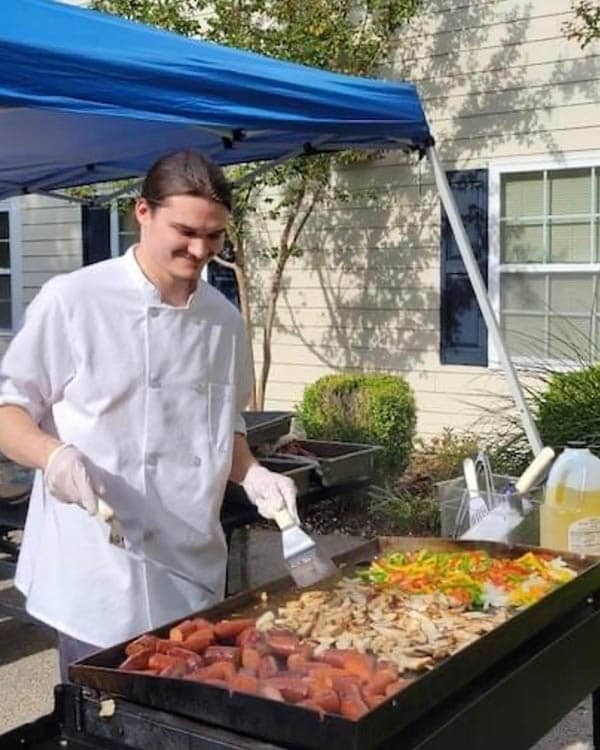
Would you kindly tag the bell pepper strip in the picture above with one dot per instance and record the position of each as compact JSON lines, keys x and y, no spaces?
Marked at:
{"x":468,"y":576}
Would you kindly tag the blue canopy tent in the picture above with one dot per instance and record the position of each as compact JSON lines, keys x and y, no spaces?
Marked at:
{"x":87,"y":97}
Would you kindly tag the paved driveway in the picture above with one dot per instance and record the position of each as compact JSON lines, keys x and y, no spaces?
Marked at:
{"x":28,"y":663}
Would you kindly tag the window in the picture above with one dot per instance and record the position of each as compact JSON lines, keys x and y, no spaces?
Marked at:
{"x":124,"y":230}
{"x":545,"y":252}
{"x":6,"y":317}
{"x":127,"y":226}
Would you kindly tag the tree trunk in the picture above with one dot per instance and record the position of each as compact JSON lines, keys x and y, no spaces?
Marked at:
{"x":242,"y":283}
{"x":268,"y":321}
{"x":286,"y":247}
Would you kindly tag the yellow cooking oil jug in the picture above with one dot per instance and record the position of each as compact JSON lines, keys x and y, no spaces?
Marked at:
{"x":570,"y":514}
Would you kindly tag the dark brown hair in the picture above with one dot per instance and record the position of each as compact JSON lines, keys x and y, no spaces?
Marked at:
{"x":186,"y":173}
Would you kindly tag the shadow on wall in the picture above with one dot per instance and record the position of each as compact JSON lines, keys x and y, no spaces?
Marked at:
{"x":365,"y":294}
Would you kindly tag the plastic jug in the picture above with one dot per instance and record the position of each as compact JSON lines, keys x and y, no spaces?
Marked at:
{"x":570,"y":515}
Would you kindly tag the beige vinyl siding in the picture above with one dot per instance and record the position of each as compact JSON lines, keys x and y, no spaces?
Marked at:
{"x":498,"y":80}
{"x":51,"y":240}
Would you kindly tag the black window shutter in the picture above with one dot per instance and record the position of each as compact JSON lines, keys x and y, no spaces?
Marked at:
{"x":223,"y":279}
{"x":463,"y":331}
{"x":95,"y":230}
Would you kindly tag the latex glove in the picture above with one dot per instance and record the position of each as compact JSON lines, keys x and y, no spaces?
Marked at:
{"x":270,"y":491}
{"x":68,"y":476}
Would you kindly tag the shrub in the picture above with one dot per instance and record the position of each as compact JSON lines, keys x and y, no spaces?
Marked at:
{"x":441,"y":457}
{"x":569,"y":407}
{"x":375,"y":408}
{"x":403,"y":512}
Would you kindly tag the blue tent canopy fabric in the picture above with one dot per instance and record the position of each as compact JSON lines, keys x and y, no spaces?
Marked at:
{"x":88,"y":97}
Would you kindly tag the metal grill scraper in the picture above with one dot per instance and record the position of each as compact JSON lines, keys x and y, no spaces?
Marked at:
{"x":304,"y":561}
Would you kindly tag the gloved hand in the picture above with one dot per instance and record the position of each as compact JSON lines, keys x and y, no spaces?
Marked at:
{"x":68,"y":476}
{"x":270,"y":491}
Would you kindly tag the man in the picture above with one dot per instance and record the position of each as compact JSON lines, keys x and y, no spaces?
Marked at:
{"x":127,"y":382}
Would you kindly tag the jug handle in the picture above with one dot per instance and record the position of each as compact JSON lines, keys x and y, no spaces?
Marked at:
{"x":562,"y":474}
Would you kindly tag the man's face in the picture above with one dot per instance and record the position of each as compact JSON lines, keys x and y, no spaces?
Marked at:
{"x":182,"y":235}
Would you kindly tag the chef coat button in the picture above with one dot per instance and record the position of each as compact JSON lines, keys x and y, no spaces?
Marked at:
{"x":151,"y":459}
{"x":154,"y":312}
{"x":154,"y":383}
{"x":197,"y":461}
{"x":148,"y":535}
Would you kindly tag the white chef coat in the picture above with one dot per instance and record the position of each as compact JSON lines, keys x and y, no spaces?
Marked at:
{"x":152,"y":394}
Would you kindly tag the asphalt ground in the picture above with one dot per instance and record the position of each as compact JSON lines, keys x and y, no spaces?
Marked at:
{"x":29,"y":664}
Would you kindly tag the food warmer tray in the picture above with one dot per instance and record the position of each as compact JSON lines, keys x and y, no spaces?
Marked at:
{"x":266,"y":426}
{"x":337,"y":462}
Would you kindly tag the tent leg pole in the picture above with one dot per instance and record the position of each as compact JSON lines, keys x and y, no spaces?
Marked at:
{"x":464,"y":246}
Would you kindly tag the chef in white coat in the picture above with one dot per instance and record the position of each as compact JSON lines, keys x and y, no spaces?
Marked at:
{"x":126,"y":382}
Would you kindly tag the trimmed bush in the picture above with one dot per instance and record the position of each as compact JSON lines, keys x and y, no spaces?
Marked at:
{"x":569,"y":407}
{"x":376,"y":409}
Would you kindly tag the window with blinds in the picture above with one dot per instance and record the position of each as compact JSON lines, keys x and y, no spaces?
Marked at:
{"x":5,"y":277}
{"x":549,"y":263}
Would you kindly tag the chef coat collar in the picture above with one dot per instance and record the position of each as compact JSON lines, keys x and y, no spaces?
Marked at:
{"x":150,"y":293}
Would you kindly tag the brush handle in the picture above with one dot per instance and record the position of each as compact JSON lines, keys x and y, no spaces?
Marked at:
{"x":284,"y":519}
{"x":535,"y":469}
{"x":471,"y":478}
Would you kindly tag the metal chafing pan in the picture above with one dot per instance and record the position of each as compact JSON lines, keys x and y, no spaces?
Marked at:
{"x":336,"y":462}
{"x":296,"y":727}
{"x":266,"y":426}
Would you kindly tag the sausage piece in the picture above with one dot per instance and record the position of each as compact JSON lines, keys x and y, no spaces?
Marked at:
{"x":198,"y":641}
{"x":352,"y":705}
{"x":267,"y":667}
{"x":293,"y":689}
{"x":250,"y":658}
{"x":282,"y":642}
{"x":138,"y":660}
{"x":162,"y":661}
{"x":182,"y":631}
{"x":140,"y":644}
{"x":222,"y":653}
{"x":192,"y":659}
{"x":228,"y":630}
{"x":244,"y":683}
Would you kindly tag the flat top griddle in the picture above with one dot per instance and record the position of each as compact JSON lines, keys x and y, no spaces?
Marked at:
{"x":296,"y":727}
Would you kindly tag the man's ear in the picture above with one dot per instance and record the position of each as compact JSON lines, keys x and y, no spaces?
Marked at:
{"x":142,"y":210}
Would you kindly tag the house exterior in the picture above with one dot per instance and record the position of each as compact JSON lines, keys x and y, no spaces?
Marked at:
{"x":515,"y":109}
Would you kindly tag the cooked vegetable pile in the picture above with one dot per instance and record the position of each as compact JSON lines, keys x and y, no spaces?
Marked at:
{"x":474,"y":578}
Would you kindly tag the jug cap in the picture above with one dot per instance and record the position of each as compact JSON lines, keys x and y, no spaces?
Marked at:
{"x":576,"y":444}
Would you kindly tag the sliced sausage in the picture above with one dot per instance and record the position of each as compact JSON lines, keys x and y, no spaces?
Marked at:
{"x":198,"y":641}
{"x":177,"y":671}
{"x":183,"y":630}
{"x":138,"y":660}
{"x":192,"y":659}
{"x":228,"y":630}
{"x":268,"y":691}
{"x":381,"y":679}
{"x":244,"y":683}
{"x":222,"y":653}
{"x":250,"y":658}
{"x":140,"y":644}
{"x":267,"y":667}
{"x":352,"y":704}
{"x":396,"y":686}
{"x":282,"y":642}
{"x":293,"y":689}
{"x":328,"y":700}
{"x":162,"y":661}
{"x":219,"y":670}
